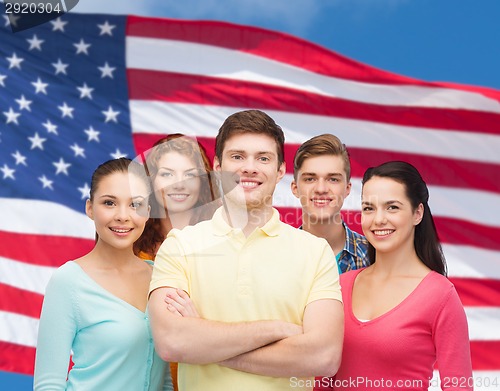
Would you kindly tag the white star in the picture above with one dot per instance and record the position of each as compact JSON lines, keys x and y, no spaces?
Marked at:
{"x":79,"y":151}
{"x":20,"y":159}
{"x":66,"y":110}
{"x":61,"y":166}
{"x":12,"y":19}
{"x":7,"y":172}
{"x":24,"y":103}
{"x":35,"y":43}
{"x":85,"y":91}
{"x":82,"y":47}
{"x":111,"y":115}
{"x":85,"y":190}
{"x":92,"y":134}
{"x":2,"y":78}
{"x":37,"y":141}
{"x":40,"y":86}
{"x":106,"y":28}
{"x":46,"y":182}
{"x":106,"y":70}
{"x":51,"y":128}
{"x":58,"y":24}
{"x":11,"y":116}
{"x":60,"y":66}
{"x":117,"y":154}
{"x":14,"y":61}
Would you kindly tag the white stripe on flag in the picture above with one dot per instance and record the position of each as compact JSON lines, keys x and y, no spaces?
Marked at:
{"x":44,"y":218}
{"x":184,"y":57}
{"x":25,"y":276}
{"x":146,"y":116}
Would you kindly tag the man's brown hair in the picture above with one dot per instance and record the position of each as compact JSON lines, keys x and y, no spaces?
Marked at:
{"x":324,"y":144}
{"x":250,"y":121}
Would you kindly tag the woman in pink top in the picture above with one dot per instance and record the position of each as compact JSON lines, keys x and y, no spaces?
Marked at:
{"x":402,"y":315}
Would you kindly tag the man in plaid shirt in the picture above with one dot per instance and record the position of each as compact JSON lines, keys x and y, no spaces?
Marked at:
{"x":322,"y":180}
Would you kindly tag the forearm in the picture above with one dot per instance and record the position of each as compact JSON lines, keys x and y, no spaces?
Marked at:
{"x":315,"y":352}
{"x":294,"y":356}
{"x":201,"y":341}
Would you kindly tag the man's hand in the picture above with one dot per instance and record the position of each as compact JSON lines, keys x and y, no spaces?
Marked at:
{"x":180,"y":304}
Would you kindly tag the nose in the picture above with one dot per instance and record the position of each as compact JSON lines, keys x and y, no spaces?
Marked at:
{"x":249,"y":166}
{"x":122,"y":213}
{"x":179,"y":183}
{"x":321,"y":186}
{"x":380,"y":217}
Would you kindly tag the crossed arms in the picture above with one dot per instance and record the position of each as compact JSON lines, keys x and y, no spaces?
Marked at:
{"x":267,"y":347}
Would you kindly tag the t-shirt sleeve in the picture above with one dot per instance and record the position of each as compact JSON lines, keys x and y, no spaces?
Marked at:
{"x":451,"y":338}
{"x":57,"y":330}
{"x":170,"y":266}
{"x":326,"y":281}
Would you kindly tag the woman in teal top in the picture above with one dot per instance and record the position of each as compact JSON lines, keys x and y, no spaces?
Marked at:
{"x":95,"y":307}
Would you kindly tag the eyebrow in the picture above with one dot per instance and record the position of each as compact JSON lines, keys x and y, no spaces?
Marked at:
{"x":390,"y":202}
{"x":315,"y":174}
{"x":171,"y":169}
{"x":243,"y":152}
{"x":114,"y":197}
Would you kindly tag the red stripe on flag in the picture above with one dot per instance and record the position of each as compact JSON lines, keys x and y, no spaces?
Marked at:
{"x":278,"y":46}
{"x":205,"y":90}
{"x":20,"y":301}
{"x":43,"y":250}
{"x":478,"y":292}
{"x":435,"y":170}
{"x":485,"y":355}
{"x":17,"y":358}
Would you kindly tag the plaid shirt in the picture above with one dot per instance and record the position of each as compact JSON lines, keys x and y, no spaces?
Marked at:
{"x":355,"y":253}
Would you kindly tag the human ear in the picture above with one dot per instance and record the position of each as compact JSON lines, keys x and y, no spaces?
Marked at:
{"x":281,"y":171}
{"x":217,"y":164}
{"x":419,"y":214}
{"x":88,"y":209}
{"x":294,"y":188}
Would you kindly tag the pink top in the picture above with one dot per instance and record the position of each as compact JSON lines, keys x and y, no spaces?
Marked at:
{"x":398,"y":349}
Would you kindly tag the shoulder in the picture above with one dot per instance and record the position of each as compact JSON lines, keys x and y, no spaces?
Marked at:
{"x":68,"y":270}
{"x":438,"y":283}
{"x":198,"y":230}
{"x":299,"y":234}
{"x":348,"y":278}
{"x":64,"y":278}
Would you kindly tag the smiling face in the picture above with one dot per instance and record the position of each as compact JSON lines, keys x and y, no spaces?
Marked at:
{"x":388,"y":219}
{"x":321,"y":186}
{"x":119,"y":209}
{"x":250,"y":170}
{"x":177,"y":183}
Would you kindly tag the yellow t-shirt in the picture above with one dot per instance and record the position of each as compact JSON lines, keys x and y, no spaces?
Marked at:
{"x":274,"y":273}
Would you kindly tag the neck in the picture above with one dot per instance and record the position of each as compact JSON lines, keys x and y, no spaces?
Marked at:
{"x":112,"y":258}
{"x":403,"y":261}
{"x":245,"y":218}
{"x":332,"y":230}
{"x":176,"y":220}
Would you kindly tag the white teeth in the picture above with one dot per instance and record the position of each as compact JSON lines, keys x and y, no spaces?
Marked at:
{"x":322,"y":201}
{"x":121,"y":231}
{"x":178,"y":196}
{"x":384,"y":232}
{"x":249,"y":184}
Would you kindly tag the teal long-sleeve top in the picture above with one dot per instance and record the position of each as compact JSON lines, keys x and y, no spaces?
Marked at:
{"x":110,"y":339}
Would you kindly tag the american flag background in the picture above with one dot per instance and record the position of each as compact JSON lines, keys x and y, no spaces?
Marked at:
{"x":82,"y":89}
